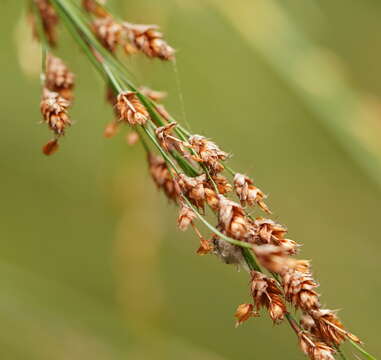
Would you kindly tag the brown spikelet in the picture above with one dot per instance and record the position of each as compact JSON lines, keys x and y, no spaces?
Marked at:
{"x":170,"y":142}
{"x":315,"y":350}
{"x":186,"y":217}
{"x":233,"y":219}
{"x":130,"y":109}
{"x":54,"y":111}
{"x":193,"y":188}
{"x":149,"y":40}
{"x":299,"y":290}
{"x":222,"y":184}
{"x":266,"y":294}
{"x":109,"y":32}
{"x":212,"y":199}
{"x":243,"y":313}
{"x":58,"y":77}
{"x":248,"y":193}
{"x":208,"y":153}
{"x":328,"y":327}
{"x":49,"y":20}
{"x":50,"y":147}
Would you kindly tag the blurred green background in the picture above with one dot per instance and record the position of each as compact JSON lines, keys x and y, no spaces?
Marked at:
{"x":92,"y":265}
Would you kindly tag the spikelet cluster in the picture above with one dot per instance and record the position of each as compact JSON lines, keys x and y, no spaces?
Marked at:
{"x":191,"y":173}
{"x":132,"y":38}
{"x":56,"y":99}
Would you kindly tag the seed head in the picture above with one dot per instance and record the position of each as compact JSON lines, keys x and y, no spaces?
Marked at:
{"x":266,"y":294}
{"x":54,"y":111}
{"x":131,"y":109}
{"x":248,"y":193}
{"x":149,"y":40}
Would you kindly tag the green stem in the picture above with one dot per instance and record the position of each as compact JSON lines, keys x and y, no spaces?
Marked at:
{"x":362,"y":351}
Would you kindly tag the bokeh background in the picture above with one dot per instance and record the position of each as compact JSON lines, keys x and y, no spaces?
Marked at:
{"x":92,"y":265}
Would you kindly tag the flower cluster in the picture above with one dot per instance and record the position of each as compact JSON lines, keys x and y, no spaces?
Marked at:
{"x":192,"y":172}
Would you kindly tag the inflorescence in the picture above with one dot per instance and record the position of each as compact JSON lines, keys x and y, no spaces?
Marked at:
{"x":191,"y":171}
